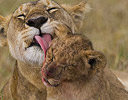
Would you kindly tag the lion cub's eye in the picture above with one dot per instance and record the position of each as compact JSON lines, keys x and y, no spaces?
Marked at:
{"x":22,"y":16}
{"x":51,"y":10}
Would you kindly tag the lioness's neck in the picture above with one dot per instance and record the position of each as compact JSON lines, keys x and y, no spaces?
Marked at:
{"x":79,"y":90}
{"x":32,"y":73}
{"x":21,"y":83}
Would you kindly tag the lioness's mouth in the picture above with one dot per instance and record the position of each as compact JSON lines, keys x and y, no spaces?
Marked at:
{"x":43,"y":41}
{"x":34,"y":43}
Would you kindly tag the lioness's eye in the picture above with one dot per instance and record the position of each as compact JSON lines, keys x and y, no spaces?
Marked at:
{"x":22,"y":16}
{"x":51,"y":10}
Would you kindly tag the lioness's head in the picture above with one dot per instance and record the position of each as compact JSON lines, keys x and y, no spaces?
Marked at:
{"x":69,"y":59}
{"x":31,"y":27}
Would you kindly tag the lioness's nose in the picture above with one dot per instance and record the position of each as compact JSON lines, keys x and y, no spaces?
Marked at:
{"x":37,"y":22}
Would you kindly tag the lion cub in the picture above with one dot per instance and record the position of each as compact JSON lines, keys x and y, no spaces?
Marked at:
{"x":74,"y":71}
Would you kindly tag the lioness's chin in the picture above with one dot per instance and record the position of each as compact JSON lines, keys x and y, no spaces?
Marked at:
{"x":34,"y":55}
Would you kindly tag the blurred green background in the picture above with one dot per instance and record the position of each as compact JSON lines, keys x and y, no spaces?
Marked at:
{"x":106,"y":25}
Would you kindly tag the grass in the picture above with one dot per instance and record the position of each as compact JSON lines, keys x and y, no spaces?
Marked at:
{"x":106,"y":25}
{"x":1,"y":97}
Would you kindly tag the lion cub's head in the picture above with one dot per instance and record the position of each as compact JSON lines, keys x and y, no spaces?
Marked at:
{"x":71,"y":58}
{"x":39,"y":19}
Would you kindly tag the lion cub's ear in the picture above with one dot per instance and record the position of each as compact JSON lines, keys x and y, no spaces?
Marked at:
{"x":77,"y":12}
{"x":96,"y":60}
{"x":4,"y":21}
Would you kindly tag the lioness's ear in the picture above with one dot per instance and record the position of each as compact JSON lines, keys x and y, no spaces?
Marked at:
{"x":77,"y":12}
{"x":96,"y":60}
{"x":4,"y":21}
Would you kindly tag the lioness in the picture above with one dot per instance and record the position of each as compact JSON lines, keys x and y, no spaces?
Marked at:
{"x":32,"y":24}
{"x":74,"y":71}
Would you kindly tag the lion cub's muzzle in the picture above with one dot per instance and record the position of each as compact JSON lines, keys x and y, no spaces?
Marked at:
{"x":51,"y":75}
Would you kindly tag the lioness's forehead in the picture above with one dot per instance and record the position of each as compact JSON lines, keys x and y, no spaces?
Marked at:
{"x":41,"y":4}
{"x":23,"y":9}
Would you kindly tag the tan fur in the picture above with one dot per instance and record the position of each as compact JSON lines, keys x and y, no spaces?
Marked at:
{"x":74,"y":71}
{"x":26,"y":83}
{"x":4,"y":21}
{"x":77,"y":12}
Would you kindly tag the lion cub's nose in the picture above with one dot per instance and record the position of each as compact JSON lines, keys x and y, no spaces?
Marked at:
{"x":51,"y":72}
{"x":37,"y":22}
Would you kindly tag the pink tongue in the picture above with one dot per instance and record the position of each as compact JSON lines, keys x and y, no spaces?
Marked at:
{"x":44,"y":42}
